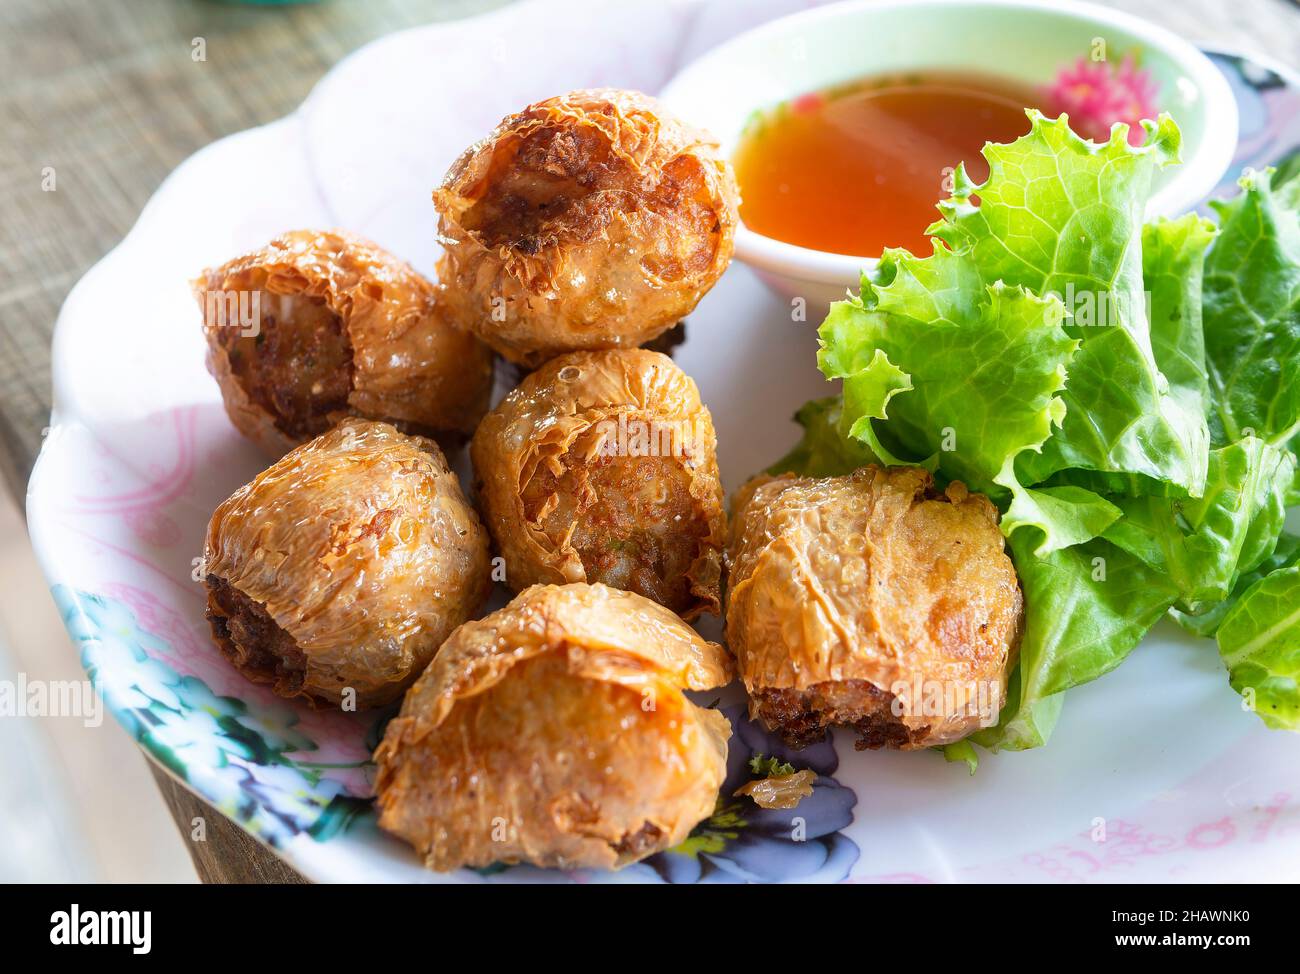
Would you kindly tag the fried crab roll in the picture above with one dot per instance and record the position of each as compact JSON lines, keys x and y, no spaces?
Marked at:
{"x":871,"y":601}
{"x":317,"y":326}
{"x":590,"y":220}
{"x":601,"y":467}
{"x":555,"y":732}
{"x":336,"y":574}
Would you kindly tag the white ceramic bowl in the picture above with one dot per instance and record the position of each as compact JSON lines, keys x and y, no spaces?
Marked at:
{"x":1021,"y":40}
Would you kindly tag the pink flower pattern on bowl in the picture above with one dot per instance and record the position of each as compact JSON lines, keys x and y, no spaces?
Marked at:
{"x":1097,"y":95}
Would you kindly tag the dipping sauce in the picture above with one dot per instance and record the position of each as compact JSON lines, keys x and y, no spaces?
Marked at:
{"x":860,"y":167}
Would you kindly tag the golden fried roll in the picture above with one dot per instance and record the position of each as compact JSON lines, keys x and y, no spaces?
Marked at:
{"x":345,"y":566}
{"x":600,"y":467}
{"x":555,"y":732}
{"x":590,"y":220}
{"x":317,"y":326}
{"x":871,"y":601}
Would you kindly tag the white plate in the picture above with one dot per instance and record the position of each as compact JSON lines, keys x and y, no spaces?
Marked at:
{"x":1155,"y":772}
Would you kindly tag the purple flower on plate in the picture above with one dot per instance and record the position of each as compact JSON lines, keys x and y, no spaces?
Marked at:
{"x":743,"y":843}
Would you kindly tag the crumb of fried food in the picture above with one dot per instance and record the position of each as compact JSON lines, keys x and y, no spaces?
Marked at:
{"x":779,"y":790}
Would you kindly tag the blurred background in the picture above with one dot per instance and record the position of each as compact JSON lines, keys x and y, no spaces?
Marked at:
{"x":109,"y":94}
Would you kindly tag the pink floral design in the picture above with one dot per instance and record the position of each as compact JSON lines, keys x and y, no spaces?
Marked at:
{"x":1271,"y":814}
{"x":143,"y":508}
{"x":189,"y":653}
{"x":1096,"y":95}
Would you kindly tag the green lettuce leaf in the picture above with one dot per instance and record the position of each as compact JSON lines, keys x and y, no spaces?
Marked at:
{"x":972,"y":378}
{"x":962,"y":752}
{"x":1252,"y":313}
{"x":1173,"y":260}
{"x":1259,"y":642}
{"x":1203,"y":544}
{"x":960,"y":359}
{"x":1086,"y":607}
{"x":1288,"y":167}
{"x":823,"y":450}
{"x":1023,"y":723}
{"x":1065,"y":515}
{"x":1173,"y":257}
{"x":1206,"y":621}
{"x":1062,"y":216}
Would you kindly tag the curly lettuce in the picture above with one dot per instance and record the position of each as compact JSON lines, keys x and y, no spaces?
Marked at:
{"x":904,"y":351}
{"x":1173,"y":260}
{"x":1259,"y":642}
{"x":960,"y":358}
{"x":1252,"y":314}
{"x":1087,"y":608}
{"x":1202,"y":545}
{"x":822,"y":451}
{"x":1205,"y":622}
{"x":1062,"y":216}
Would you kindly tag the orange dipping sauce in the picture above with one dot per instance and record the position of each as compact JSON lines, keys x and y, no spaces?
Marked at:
{"x":860,"y":167}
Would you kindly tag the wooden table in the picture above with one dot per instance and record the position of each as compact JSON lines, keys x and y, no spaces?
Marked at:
{"x":108,"y":94}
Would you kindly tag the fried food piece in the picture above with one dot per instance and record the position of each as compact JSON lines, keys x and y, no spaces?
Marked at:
{"x":779,"y":790}
{"x":871,"y":601}
{"x":555,"y":732}
{"x":590,"y":220}
{"x":600,"y":467}
{"x":317,"y":326}
{"x":345,"y":565}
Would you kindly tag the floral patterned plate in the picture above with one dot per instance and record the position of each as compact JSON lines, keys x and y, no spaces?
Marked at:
{"x":1155,"y":772}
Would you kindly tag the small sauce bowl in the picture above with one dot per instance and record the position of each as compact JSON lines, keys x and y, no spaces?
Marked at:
{"x":1020,"y":40}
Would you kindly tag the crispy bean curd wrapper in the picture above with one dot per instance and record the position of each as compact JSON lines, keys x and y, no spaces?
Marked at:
{"x":344,"y":566}
{"x":317,"y":326}
{"x":871,"y":601}
{"x":555,"y":731}
{"x":601,"y":467}
{"x":591,"y":220}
